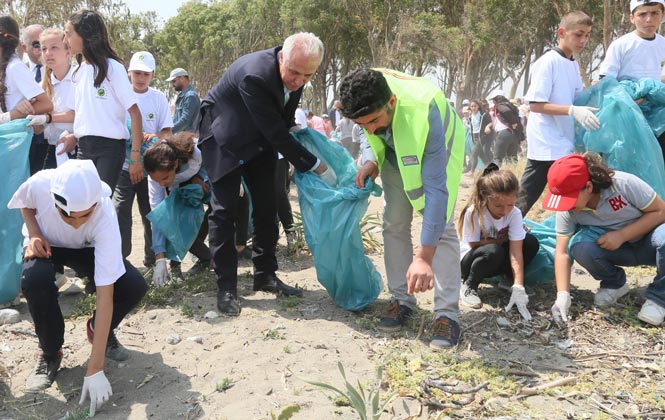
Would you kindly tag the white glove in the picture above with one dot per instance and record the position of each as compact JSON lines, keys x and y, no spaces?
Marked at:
{"x":5,"y":117}
{"x":160,"y":274}
{"x":585,"y":116}
{"x":99,"y":389}
{"x":520,"y":299}
{"x":36,"y":120}
{"x":295,"y":128}
{"x":561,"y":307}
{"x":329,"y":177}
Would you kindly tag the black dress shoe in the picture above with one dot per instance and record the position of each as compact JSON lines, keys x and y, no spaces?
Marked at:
{"x":228,"y":304}
{"x":272,"y":284}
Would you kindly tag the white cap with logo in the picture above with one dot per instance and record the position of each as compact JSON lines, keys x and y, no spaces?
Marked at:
{"x":76,"y":186}
{"x":142,"y":61}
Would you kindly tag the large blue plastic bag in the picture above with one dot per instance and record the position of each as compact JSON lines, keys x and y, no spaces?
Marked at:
{"x":15,"y":138}
{"x":625,"y":140}
{"x":541,"y":268}
{"x":652,"y":93}
{"x":331,"y":218}
{"x":179,"y":218}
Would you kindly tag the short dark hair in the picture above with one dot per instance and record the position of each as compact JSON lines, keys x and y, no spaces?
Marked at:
{"x":362,"y":92}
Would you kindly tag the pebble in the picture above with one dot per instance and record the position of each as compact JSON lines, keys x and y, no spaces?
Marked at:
{"x":122,"y":365}
{"x":9,"y":316}
{"x":211,"y":315}
{"x":503,"y":322}
{"x":173,"y":339}
{"x":196,"y":339}
{"x":152,"y":316}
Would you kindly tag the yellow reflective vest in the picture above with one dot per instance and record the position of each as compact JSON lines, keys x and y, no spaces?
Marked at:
{"x":410,"y":126}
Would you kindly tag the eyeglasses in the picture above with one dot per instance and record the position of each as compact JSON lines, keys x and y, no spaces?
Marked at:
{"x":36,"y":44}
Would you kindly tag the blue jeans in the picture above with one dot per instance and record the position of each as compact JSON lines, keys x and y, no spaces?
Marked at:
{"x":604,"y":265}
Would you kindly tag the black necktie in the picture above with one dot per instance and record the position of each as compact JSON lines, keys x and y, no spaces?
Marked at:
{"x":38,"y":73}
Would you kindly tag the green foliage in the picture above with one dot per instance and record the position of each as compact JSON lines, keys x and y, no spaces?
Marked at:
{"x":273,"y":334}
{"x":224,"y":384}
{"x":367,"y":403}
{"x":286,"y":413}
{"x":84,"y":307}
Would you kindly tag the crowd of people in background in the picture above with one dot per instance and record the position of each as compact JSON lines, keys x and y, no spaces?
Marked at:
{"x":103,"y":138}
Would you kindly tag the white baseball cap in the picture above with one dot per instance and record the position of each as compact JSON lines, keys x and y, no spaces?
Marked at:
{"x":76,"y":186}
{"x":142,"y":61}
{"x":634,"y":4}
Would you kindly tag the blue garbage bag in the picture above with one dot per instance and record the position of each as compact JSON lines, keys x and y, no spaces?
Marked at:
{"x":331,"y":218}
{"x":541,"y":268}
{"x":653,"y":104}
{"x":15,"y":138}
{"x":625,"y":140}
{"x":179,"y":218}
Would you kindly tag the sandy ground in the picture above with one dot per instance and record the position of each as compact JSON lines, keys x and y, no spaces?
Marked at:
{"x":262,"y":357}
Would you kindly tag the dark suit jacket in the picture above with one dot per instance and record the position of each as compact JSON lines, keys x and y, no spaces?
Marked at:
{"x":244,"y":115}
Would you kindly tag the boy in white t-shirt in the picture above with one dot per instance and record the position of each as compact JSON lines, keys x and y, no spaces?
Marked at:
{"x":157,"y":122}
{"x":70,"y":220}
{"x":639,"y":54}
{"x":551,"y":130}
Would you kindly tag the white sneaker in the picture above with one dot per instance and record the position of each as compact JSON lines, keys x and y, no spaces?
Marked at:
{"x":470,"y":297}
{"x":652,"y":313}
{"x":608,"y":297}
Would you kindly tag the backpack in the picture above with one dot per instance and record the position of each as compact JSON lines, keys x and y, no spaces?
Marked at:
{"x":510,"y":116}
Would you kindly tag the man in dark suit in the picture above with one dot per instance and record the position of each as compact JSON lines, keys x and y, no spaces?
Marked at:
{"x":245,"y":121}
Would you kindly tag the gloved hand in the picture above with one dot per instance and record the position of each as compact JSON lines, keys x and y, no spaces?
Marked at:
{"x":160,"y":274}
{"x":329,"y":177}
{"x":5,"y":117}
{"x":585,"y":116}
{"x":561,"y":307}
{"x":36,"y":120}
{"x":99,"y":389}
{"x":520,"y":299}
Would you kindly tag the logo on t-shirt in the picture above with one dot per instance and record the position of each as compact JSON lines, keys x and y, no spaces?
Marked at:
{"x":151,"y":116}
{"x":101,"y":93}
{"x":617,"y":203}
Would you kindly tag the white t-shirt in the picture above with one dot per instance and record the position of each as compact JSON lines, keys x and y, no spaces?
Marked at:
{"x":555,"y":79}
{"x":509,"y":225}
{"x":632,"y":57}
{"x":155,"y":113}
{"x":100,"y":232}
{"x":20,"y":83}
{"x":101,"y":111}
{"x":63,"y":100}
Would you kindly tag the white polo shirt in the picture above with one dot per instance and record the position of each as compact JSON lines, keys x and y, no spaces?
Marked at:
{"x":100,"y":232}
{"x":100,"y":111}
{"x":20,"y":83}
{"x":63,"y":101}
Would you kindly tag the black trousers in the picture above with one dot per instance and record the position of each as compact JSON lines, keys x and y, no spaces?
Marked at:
{"x":38,"y":286}
{"x":282,"y":187}
{"x":259,"y":176}
{"x":492,"y":259}
{"x":480,"y":150}
{"x":41,"y":155}
{"x":534,"y":180}
{"x":506,"y":147}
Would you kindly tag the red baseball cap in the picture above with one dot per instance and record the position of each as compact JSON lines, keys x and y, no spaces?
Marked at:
{"x":566,"y":178}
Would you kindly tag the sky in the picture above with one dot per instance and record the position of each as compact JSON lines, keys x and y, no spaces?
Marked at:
{"x":164,"y":8}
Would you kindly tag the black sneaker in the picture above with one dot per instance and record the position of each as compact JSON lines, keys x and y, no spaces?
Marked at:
{"x":445,"y":333}
{"x":228,"y":303}
{"x":394,"y":317}
{"x":114,"y":350}
{"x":44,"y":373}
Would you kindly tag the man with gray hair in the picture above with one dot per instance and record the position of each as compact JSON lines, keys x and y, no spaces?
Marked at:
{"x":245,"y":121}
{"x":31,"y":46}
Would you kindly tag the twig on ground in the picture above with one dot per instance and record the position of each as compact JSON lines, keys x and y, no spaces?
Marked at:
{"x":421,"y":329}
{"x":537,"y":389}
{"x":517,"y":372}
{"x":474,"y":324}
{"x":606,"y":409}
{"x":446,"y":388}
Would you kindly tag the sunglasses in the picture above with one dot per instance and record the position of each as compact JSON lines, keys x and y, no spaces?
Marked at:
{"x":36,"y":44}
